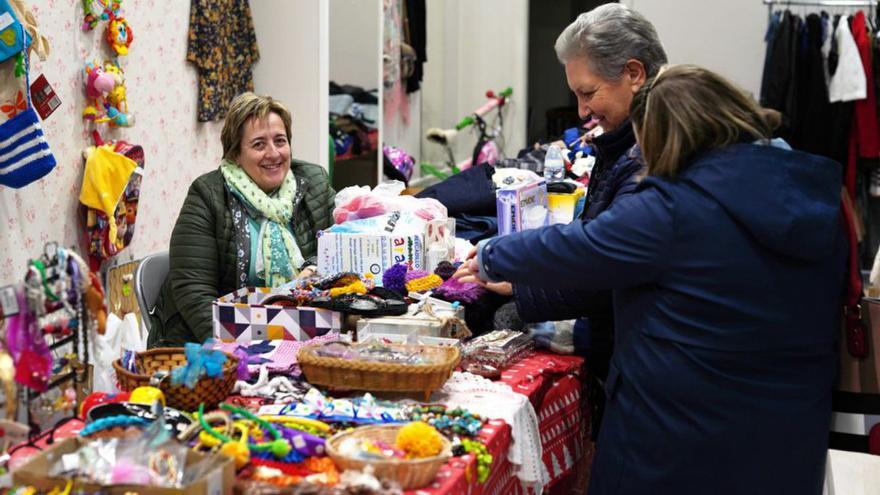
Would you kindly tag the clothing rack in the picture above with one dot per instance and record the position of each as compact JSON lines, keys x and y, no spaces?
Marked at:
{"x":819,"y":3}
{"x":823,"y":3}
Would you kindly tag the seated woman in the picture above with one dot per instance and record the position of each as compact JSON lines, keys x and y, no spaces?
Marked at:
{"x":727,"y":266}
{"x":251,"y":222}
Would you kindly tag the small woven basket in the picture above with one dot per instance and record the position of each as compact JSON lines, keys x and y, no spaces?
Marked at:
{"x":410,"y":473}
{"x":210,"y":391}
{"x":374,"y":376}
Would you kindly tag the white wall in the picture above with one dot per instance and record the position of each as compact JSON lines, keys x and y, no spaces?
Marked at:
{"x":354,"y":42}
{"x":292,"y":35}
{"x":726,"y":36}
{"x":472,"y":47}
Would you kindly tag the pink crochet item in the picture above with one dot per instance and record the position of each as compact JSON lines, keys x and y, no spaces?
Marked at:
{"x":464,"y":292}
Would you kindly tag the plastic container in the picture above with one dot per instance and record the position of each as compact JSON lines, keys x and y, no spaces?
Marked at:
{"x":554,"y":165}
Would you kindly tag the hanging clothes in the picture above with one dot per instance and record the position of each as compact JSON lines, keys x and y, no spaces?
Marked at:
{"x":866,"y":128}
{"x":848,"y":82}
{"x":223,"y":47}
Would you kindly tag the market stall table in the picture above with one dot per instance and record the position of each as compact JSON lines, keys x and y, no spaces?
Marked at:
{"x":552,"y":384}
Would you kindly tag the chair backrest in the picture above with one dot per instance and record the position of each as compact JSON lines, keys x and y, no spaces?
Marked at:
{"x":148,"y":281}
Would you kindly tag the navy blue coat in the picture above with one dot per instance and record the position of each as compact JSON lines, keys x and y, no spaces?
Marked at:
{"x":727,"y":295}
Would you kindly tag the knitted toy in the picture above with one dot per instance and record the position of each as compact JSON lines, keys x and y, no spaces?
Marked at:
{"x":24,"y":153}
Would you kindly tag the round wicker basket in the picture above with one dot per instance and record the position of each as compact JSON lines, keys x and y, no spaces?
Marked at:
{"x":373,"y":376}
{"x":410,"y":473}
{"x":210,"y":391}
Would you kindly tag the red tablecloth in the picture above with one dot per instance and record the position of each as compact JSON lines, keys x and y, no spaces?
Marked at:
{"x":553,"y":385}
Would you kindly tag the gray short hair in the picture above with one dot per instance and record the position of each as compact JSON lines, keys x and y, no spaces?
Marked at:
{"x":607,"y":37}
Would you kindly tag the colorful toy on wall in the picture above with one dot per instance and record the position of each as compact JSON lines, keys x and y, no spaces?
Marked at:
{"x":106,"y":92}
{"x":118,"y":33}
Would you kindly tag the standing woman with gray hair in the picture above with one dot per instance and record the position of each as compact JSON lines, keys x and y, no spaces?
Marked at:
{"x":608,"y":53}
{"x":727,"y":268}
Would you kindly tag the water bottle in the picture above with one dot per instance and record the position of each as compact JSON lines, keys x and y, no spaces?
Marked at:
{"x":554,"y":166}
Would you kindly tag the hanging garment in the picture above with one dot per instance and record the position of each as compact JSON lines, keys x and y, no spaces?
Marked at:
{"x":848,"y":82}
{"x":110,"y":194}
{"x":866,"y":128}
{"x":778,"y":86}
{"x":223,"y":47}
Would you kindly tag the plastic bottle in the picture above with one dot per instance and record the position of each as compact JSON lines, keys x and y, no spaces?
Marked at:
{"x":554,"y":166}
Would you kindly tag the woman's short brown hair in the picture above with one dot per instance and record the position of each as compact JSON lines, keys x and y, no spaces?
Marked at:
{"x":243,"y":108}
{"x":686,"y":110}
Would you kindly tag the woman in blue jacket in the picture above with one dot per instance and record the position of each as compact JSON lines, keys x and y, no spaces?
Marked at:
{"x":727,"y":267}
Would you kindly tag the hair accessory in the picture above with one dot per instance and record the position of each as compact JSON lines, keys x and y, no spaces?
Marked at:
{"x":112,"y":422}
{"x":279,"y":446}
{"x":201,"y":360}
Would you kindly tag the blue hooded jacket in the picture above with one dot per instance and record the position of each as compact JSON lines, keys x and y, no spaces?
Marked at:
{"x":727,"y":286}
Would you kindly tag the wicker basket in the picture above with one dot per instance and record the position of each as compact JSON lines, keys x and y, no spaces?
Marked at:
{"x":410,"y":473}
{"x":372,"y":376}
{"x":210,"y":391}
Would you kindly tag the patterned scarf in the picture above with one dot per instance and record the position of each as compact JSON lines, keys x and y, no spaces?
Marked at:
{"x":281,"y":256}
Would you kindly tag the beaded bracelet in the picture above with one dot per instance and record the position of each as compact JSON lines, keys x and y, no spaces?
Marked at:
{"x":112,"y":422}
{"x":483,"y":457}
{"x":279,"y":447}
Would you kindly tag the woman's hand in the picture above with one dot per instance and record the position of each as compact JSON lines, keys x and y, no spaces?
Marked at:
{"x":469,"y":271}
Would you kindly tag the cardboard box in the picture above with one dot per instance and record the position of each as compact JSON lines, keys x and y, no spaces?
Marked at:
{"x":35,"y":473}
{"x":521,"y":207}
{"x":368,"y":253}
{"x":240,"y":317}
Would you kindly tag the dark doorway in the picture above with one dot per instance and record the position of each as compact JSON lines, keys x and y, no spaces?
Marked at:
{"x":552,"y":106}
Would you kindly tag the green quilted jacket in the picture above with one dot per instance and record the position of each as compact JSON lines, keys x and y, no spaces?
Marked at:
{"x":210,"y":251}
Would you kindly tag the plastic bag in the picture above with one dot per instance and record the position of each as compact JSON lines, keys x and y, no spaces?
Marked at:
{"x":121,"y":335}
{"x":356,"y":202}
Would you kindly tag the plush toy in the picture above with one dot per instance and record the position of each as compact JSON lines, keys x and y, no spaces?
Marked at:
{"x":119,"y":35}
{"x":94,"y":298}
{"x":105,"y":88}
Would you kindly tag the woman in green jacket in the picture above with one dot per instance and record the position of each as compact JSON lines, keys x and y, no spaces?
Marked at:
{"x":251,"y":222}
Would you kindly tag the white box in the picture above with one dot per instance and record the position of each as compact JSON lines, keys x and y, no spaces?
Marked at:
{"x":368,"y":253}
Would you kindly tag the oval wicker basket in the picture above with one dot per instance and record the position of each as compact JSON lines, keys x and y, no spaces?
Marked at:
{"x":410,"y":473}
{"x":374,"y":376}
{"x":210,"y":391}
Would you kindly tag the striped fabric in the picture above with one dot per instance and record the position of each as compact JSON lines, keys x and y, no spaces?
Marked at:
{"x":24,"y":153}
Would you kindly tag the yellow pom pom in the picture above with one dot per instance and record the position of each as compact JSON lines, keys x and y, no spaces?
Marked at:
{"x":419,"y":439}
{"x":423,"y":284}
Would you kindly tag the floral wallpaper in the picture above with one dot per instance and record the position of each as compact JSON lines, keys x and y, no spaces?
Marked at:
{"x":162,"y":92}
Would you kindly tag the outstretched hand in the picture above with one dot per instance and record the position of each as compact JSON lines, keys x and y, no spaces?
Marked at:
{"x":469,"y":271}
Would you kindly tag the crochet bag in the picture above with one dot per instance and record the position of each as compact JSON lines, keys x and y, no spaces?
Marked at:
{"x":110,"y":226}
{"x":24,"y":153}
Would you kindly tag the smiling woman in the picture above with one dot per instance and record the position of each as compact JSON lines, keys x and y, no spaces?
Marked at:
{"x":252,"y":222}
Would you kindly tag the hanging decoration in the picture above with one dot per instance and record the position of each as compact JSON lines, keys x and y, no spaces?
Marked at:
{"x":24,"y":153}
{"x":106,"y":93}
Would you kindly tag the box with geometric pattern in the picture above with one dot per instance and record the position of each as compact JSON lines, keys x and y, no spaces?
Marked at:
{"x":240,"y":317}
